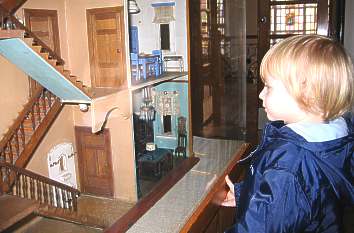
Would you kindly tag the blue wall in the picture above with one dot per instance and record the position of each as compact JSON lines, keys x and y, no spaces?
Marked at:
{"x":170,"y":141}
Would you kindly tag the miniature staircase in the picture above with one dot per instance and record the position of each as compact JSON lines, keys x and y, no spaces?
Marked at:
{"x":31,"y":55}
{"x":33,"y":60}
{"x":16,"y":209}
{"x":27,"y":192}
{"x":22,"y":138}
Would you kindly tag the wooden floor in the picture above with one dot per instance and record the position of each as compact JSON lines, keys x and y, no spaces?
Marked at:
{"x":97,"y":211}
{"x":13,"y":209}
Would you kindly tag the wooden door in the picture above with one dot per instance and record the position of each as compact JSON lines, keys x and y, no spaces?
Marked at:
{"x":44,"y":24}
{"x":105,"y":28}
{"x":95,"y":162}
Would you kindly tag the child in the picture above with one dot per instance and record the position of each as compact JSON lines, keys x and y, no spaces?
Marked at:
{"x":302,"y":174}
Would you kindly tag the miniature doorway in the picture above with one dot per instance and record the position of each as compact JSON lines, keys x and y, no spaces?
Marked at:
{"x":44,"y":24}
{"x":105,"y":28}
{"x":95,"y":161}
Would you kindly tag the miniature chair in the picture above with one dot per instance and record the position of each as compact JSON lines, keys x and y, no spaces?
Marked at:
{"x":181,"y":146}
{"x":181,"y":138}
{"x":148,"y":66}
{"x":158,"y":65}
{"x":135,"y":67}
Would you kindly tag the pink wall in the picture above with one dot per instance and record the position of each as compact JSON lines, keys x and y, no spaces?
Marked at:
{"x":59,"y":6}
{"x":77,"y":34}
{"x":14,"y":91}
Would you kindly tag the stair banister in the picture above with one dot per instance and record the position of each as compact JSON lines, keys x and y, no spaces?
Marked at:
{"x":32,"y":185}
{"x":14,"y":127}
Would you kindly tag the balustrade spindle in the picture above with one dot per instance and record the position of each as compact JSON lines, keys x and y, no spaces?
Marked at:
{"x":39,"y":191}
{"x":63,"y":198}
{"x":25,"y":186}
{"x":10,"y":155}
{"x":49,"y":99}
{"x":39,"y":112}
{"x":45,"y":193}
{"x":42,"y":97}
{"x":2,"y":155}
{"x":57,"y":198}
{"x":51,"y":195}
{"x":17,"y":145}
{"x":18,"y":184}
{"x":33,"y":119}
{"x":23,"y":136}
{"x":31,"y":184}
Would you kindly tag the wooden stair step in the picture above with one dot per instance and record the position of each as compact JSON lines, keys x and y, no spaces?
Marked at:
{"x":44,"y":55}
{"x":53,"y":62}
{"x":28,"y":41}
{"x":16,"y":209}
{"x":6,"y":34}
{"x":37,"y":48}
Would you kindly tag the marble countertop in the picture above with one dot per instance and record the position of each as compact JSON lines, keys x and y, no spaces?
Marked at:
{"x":172,"y":211}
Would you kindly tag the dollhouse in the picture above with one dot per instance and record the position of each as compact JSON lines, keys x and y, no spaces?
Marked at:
{"x":160,"y":83}
{"x":108,"y":103}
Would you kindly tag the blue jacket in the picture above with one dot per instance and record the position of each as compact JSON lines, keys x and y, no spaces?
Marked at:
{"x":296,"y":186}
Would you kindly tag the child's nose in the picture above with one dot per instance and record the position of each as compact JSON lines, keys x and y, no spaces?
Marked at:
{"x":261,"y":95}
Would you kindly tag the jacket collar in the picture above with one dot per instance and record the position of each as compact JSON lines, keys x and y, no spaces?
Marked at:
{"x":276,"y":130}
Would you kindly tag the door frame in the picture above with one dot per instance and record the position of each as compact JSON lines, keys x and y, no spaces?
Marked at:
{"x":89,"y":12}
{"x":81,"y":156}
{"x":45,"y":13}
{"x":33,"y":85}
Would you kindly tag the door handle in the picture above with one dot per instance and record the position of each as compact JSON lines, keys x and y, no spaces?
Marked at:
{"x":118,"y":50}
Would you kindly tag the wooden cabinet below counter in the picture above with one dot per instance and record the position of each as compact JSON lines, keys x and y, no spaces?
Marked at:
{"x":210,"y":217}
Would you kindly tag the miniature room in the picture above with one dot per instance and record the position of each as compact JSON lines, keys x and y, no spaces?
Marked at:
{"x":158,"y":63}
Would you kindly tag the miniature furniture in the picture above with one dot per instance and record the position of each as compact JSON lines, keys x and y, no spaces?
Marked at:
{"x":135,"y":67}
{"x":173,"y":58}
{"x":143,"y":66}
{"x":181,"y":145}
{"x":148,"y":62}
{"x":154,"y":163}
{"x":181,"y":138}
{"x":159,"y":66}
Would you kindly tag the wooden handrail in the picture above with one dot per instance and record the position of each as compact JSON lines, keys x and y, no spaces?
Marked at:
{"x":23,"y":136}
{"x":13,"y":5}
{"x":19,"y":25}
{"x":27,"y":107}
{"x":38,"y":177}
{"x":27,"y":184}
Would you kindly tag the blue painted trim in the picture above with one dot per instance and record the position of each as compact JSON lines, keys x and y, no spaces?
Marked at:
{"x":31,"y":63}
{"x":163,"y":4}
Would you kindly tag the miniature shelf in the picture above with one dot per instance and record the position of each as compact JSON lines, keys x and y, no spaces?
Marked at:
{"x":163,"y":78}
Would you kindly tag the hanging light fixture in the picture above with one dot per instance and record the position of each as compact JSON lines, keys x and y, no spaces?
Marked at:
{"x":147,"y":111}
{"x":133,"y":7}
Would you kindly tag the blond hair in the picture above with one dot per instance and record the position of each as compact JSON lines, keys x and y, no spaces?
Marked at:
{"x":316,"y":71}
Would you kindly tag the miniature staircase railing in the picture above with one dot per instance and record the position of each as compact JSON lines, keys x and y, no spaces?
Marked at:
{"x":12,"y":5}
{"x":26,"y":184}
{"x":22,"y":138}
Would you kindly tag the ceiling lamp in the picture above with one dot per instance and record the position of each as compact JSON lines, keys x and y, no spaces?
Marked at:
{"x":133,"y":7}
